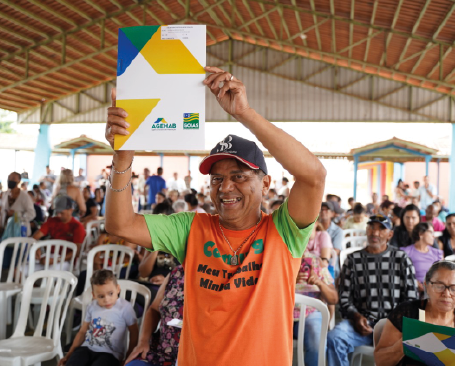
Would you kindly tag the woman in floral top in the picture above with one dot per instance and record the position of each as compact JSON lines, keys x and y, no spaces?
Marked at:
{"x":314,"y":281}
{"x":161,"y":349}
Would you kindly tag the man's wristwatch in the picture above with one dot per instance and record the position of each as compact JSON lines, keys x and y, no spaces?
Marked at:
{"x":325,"y":259}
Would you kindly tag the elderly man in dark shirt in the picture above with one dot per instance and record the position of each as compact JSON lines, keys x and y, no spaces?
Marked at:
{"x":372,"y":282}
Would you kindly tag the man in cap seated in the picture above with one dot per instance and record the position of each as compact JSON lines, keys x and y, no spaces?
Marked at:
{"x":61,"y":226}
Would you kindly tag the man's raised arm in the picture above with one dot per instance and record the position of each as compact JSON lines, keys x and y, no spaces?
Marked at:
{"x":306,"y":194}
{"x":120,"y":217}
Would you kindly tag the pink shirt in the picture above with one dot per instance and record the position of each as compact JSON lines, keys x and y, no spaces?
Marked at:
{"x":321,"y":240}
{"x":437,"y":224}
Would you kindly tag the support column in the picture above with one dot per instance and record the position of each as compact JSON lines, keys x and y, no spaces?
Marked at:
{"x":72,"y":152}
{"x":452,"y":173}
{"x":356,"y":165}
{"x":42,"y":154}
{"x":427,"y":164}
{"x":161,"y":160}
{"x":437,"y":187}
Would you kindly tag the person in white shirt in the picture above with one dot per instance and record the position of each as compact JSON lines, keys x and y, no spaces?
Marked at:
{"x":176,"y":184}
{"x":284,"y":190}
{"x":427,"y":193}
{"x":15,"y":200}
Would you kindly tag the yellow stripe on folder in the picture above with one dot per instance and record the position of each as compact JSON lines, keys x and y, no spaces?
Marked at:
{"x":138,"y":110}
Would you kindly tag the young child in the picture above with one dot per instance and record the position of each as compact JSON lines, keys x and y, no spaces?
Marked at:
{"x":101,"y":339}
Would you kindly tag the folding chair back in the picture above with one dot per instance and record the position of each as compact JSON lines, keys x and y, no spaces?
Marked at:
{"x":58,"y":248}
{"x":305,"y":301}
{"x":58,"y":292}
{"x":114,"y":252}
{"x":354,"y":241}
{"x":20,"y":251}
{"x":354,"y":232}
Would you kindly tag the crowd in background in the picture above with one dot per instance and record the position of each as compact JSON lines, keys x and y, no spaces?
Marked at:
{"x":412,"y":229}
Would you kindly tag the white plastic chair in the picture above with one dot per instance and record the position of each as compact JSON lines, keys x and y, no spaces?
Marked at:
{"x":354,"y":232}
{"x":344,"y":254}
{"x":360,"y":351}
{"x":356,"y":241}
{"x":118,"y":253}
{"x":93,"y":231}
{"x":14,"y":279}
{"x":21,"y":350}
{"x":437,"y":234}
{"x":450,"y":258}
{"x":59,"y":248}
{"x":81,"y":259}
{"x":305,"y":301}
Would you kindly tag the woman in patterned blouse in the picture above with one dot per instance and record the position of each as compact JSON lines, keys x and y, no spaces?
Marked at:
{"x":161,"y":349}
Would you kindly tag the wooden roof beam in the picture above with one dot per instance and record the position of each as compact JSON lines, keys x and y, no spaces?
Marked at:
{"x":214,"y":16}
{"x":299,"y":24}
{"x":396,"y":65}
{"x":60,"y":35}
{"x":50,"y":10}
{"x":353,"y":21}
{"x":168,"y":10}
{"x":272,"y":28}
{"x":306,"y":30}
{"x":435,"y":35}
{"x":440,"y":62}
{"x":430,"y":103}
{"x":351,"y":30}
{"x":315,"y":21}
{"x":414,"y":29}
{"x":283,"y":25}
{"x":304,"y":81}
{"x":256,"y":18}
{"x":205,"y":10}
{"x":348,"y":48}
{"x":389,"y":35}
{"x":252,"y":15}
{"x":56,"y":68}
{"x":370,"y":30}
{"x":318,"y":55}
{"x":332,"y":12}
{"x":49,"y":39}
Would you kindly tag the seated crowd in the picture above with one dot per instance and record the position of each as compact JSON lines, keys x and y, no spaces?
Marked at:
{"x":400,"y":261}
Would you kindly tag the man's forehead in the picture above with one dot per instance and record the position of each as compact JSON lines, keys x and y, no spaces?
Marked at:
{"x":229,"y":166}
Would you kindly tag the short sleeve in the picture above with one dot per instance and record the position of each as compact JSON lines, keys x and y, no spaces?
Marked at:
{"x":296,"y":239}
{"x":440,"y":254}
{"x":129,"y":315}
{"x":409,"y":309}
{"x":337,"y":238}
{"x":45,"y":228}
{"x":170,"y":233}
{"x":79,"y":234}
{"x":326,"y":242}
{"x":88,"y":314}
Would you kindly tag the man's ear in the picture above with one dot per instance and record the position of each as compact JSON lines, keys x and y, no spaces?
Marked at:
{"x":390,"y":234}
{"x":266,"y":181}
{"x":118,"y":290}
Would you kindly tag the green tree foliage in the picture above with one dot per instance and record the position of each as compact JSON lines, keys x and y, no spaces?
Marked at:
{"x":7,"y":118}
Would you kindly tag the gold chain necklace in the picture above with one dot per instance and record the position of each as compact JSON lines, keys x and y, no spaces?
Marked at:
{"x":234,"y":260}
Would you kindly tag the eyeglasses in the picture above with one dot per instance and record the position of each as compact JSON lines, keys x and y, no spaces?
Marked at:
{"x":440,"y":287}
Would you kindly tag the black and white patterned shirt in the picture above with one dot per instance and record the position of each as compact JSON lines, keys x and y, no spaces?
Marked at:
{"x":373,"y":284}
